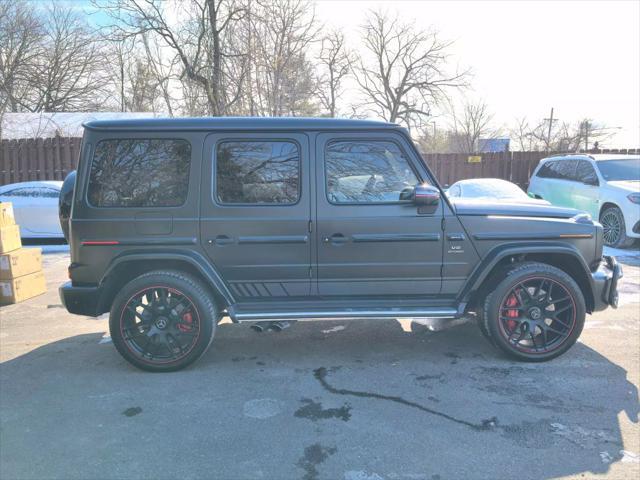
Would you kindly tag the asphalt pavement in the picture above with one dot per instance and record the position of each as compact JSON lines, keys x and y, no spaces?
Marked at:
{"x":352,"y":400}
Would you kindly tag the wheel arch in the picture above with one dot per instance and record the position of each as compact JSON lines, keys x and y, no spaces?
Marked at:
{"x":129,"y":266}
{"x":605,"y":205}
{"x":493,"y":269}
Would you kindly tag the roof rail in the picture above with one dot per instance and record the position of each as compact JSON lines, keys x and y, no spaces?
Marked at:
{"x":572,"y":155}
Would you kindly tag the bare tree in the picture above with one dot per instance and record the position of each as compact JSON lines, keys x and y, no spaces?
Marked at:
{"x":562,"y":137}
{"x":283,"y":80}
{"x":334,"y":61}
{"x":406,"y":70}
{"x":472,"y":126}
{"x":69,"y":72}
{"x":196,"y":40}
{"x":521,"y":135}
{"x":20,"y":32}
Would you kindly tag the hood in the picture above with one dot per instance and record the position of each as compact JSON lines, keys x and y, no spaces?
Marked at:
{"x":464,"y":206}
{"x":627,"y":185}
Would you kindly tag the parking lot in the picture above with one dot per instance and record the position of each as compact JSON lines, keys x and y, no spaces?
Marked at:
{"x":350,"y":400}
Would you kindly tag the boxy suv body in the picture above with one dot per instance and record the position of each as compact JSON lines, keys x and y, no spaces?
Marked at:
{"x":174,"y":223}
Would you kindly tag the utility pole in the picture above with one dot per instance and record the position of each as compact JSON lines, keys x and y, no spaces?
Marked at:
{"x":587,"y":127}
{"x":549,"y":131}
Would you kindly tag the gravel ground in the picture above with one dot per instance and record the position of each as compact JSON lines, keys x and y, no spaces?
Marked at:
{"x":350,"y":400}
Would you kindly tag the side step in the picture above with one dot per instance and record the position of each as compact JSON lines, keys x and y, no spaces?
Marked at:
{"x":242,"y":314}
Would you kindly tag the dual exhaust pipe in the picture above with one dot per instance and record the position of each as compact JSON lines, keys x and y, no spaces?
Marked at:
{"x":270,"y":326}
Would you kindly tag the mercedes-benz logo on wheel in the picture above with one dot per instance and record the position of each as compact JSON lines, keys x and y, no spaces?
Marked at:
{"x":161,"y":323}
{"x":535,"y":313}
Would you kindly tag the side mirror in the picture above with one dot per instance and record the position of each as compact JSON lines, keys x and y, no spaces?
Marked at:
{"x":425,"y":195}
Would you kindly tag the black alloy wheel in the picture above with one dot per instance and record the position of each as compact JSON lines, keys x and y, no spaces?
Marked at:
{"x":160,"y":324}
{"x":536,"y":312}
{"x":537,"y":315}
{"x":162,"y":321}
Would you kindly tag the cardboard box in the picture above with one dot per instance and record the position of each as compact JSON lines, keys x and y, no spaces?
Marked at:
{"x":10,"y":238}
{"x":20,"y":262}
{"x":21,"y":288}
{"x":6,"y":214}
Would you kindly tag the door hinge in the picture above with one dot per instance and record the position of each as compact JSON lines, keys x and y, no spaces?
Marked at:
{"x":443,"y":223}
{"x":310,"y":226}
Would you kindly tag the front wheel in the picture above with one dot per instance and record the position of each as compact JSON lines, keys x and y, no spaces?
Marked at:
{"x":536,"y":312}
{"x":162,"y":321}
{"x":614,"y":228}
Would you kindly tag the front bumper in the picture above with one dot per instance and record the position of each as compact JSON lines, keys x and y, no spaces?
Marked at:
{"x":605,"y":283}
{"x":80,"y":300}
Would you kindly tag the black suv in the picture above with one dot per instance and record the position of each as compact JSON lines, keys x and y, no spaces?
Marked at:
{"x":174,"y":223}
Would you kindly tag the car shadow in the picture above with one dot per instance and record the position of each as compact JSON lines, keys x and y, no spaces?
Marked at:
{"x":563,"y":417}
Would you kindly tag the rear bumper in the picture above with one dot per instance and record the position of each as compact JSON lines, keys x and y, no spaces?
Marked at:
{"x":80,"y":300}
{"x":605,"y":283}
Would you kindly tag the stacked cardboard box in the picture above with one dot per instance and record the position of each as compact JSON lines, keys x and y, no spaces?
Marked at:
{"x":21,"y":274}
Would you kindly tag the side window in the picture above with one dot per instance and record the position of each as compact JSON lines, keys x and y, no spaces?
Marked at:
{"x":566,"y":170}
{"x":18,"y":192}
{"x":586,"y":174}
{"x":33,"y":192}
{"x":140,"y":173}
{"x":546,"y":171}
{"x":258,"y":172}
{"x":366,"y":172}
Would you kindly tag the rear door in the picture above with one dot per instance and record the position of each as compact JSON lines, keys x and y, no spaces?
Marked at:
{"x":255,"y":213}
{"x":557,"y":182}
{"x":370,"y":242}
{"x":586,"y":195}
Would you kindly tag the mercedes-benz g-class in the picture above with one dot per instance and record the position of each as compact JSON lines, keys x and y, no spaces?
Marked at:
{"x":174,"y":223}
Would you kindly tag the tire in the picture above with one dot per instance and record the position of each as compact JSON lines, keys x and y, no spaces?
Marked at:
{"x":163,"y":321}
{"x":544,"y":312}
{"x":615,"y":233}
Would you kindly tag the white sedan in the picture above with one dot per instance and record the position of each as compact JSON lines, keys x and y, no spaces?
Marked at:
{"x":35,"y":205}
{"x":491,"y":189}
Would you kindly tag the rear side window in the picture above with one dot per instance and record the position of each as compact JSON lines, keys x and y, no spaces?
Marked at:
{"x":258,"y":172}
{"x":365,"y":172}
{"x":560,"y":170}
{"x":140,"y":173}
{"x":546,"y":170}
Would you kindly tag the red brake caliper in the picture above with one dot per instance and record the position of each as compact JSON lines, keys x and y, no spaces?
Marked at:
{"x":512,"y":301}
{"x":186,"y":318}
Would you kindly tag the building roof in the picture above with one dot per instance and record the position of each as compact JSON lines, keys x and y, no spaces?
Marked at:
{"x":238,"y":123}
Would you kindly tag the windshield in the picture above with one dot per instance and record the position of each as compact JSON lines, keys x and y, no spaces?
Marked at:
{"x":613,"y":170}
{"x":494,"y":189}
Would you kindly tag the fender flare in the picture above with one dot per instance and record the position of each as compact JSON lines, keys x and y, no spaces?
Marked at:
{"x":498,"y":253}
{"x":193,"y":258}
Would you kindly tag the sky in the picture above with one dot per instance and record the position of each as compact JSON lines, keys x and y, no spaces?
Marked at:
{"x":580,"y":57}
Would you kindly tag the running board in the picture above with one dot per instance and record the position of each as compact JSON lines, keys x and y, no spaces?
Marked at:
{"x":239,"y":314}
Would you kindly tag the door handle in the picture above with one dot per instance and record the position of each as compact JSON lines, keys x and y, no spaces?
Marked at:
{"x":336,"y":239}
{"x":221,"y":240}
{"x":456,"y":237}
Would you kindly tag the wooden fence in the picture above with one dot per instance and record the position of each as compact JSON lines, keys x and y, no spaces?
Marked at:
{"x":52,"y":158}
{"x":37,"y":159}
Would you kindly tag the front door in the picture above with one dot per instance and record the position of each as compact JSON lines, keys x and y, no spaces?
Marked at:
{"x":255,"y":213}
{"x":370,"y":242}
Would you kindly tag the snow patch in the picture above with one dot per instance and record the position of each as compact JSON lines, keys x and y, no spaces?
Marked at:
{"x":334,"y":329}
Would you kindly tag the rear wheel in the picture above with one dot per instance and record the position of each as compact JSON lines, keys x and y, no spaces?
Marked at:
{"x":162,"y":321}
{"x":615,"y":233}
{"x":536,"y":312}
